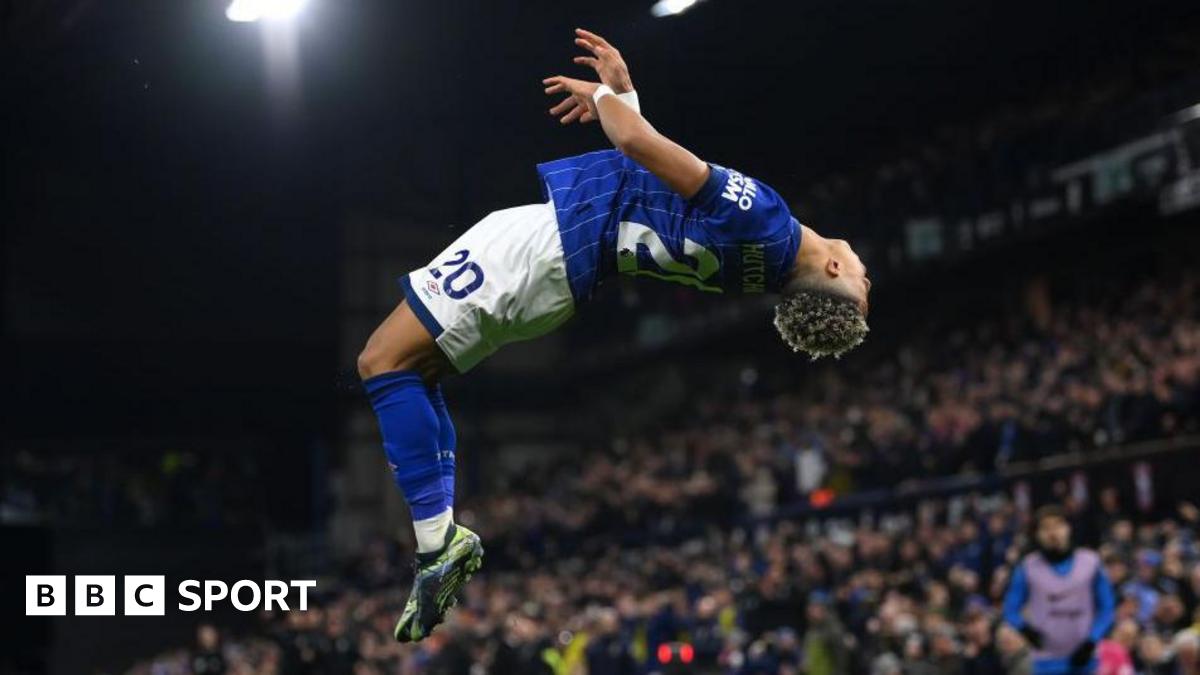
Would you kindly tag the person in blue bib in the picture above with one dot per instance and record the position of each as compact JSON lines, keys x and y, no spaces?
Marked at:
{"x":645,"y":208}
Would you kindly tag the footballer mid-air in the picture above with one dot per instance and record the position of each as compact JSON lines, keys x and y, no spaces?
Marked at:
{"x":649,"y":208}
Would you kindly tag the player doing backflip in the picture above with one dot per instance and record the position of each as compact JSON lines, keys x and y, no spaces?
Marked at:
{"x":648,"y":208}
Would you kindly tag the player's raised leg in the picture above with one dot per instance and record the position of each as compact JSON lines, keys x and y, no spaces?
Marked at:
{"x":400,"y":367}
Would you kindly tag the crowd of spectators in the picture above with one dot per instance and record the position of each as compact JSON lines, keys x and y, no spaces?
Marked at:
{"x":1066,"y":376}
{"x":673,"y":535}
{"x":670,"y":535}
{"x":914,"y":591}
{"x":1071,"y":376}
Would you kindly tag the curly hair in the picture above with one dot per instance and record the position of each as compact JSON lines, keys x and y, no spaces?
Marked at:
{"x":820,"y":323}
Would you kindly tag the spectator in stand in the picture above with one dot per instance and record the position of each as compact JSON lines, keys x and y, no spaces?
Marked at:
{"x":1186,"y":646}
{"x":980,"y":655}
{"x":1115,"y":655}
{"x":208,"y":659}
{"x":825,"y":641}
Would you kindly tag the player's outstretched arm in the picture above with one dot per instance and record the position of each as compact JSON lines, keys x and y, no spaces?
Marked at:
{"x":683,"y":171}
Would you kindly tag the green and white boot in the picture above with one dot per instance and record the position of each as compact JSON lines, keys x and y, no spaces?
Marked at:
{"x":438,"y":576}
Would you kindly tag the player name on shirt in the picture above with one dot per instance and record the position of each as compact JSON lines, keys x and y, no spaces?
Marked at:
{"x":754,"y":270}
{"x":740,"y":190}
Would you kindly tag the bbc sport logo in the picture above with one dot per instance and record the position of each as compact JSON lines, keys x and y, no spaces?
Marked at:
{"x":146,"y":595}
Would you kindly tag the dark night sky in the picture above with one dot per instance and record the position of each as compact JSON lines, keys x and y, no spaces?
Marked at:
{"x":170,"y":228}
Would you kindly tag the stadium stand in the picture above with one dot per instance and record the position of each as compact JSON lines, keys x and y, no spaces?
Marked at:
{"x":710,"y":533}
{"x":917,"y":593}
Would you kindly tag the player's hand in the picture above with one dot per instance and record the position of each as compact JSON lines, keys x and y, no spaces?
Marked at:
{"x":1083,"y":654}
{"x":605,"y":60}
{"x":578,"y":105}
{"x":1032,"y":635}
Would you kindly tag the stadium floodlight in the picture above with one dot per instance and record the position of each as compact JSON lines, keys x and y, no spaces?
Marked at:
{"x":671,"y":7}
{"x":257,"y":10}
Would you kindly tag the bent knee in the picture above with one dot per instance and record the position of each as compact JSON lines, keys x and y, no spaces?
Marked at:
{"x":401,"y":343}
{"x":373,"y":361}
{"x":366,"y":364}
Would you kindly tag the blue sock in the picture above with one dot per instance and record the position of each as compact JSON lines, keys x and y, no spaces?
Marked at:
{"x":447,"y":441}
{"x":410,"y":430}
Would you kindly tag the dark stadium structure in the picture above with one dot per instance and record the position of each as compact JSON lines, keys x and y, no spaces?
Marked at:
{"x":201,"y":228}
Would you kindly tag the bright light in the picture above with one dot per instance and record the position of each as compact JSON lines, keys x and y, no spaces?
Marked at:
{"x":671,"y":7}
{"x":256,"y":10}
{"x":686,"y":653}
{"x":664,"y":653}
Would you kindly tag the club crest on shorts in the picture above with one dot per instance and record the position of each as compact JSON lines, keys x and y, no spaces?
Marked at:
{"x":433,"y":287}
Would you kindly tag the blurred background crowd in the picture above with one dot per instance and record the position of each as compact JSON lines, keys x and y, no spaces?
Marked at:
{"x":914,"y":592}
{"x":1064,"y":375}
{"x":1061,"y":377}
{"x":706,"y":529}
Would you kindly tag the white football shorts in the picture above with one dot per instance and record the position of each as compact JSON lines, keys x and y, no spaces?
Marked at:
{"x":502,"y":281}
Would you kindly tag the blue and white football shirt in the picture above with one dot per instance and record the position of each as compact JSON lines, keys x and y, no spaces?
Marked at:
{"x":614,"y":216}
